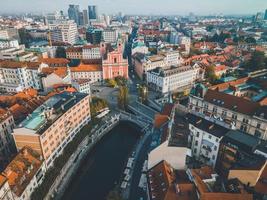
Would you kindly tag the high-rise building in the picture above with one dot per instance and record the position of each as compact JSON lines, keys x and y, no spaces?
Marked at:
{"x":64,"y":31}
{"x":265,"y":16}
{"x":94,"y":36}
{"x":50,"y":18}
{"x":259,"y":17}
{"x":92,"y":12}
{"x":81,"y":19}
{"x":73,"y":13}
{"x":85,"y":17}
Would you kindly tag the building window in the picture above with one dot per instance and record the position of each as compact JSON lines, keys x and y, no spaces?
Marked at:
{"x":258,"y":125}
{"x":197,"y":134}
{"x":224,"y":113}
{"x":243,"y":128}
{"x":215,"y":148}
{"x":213,"y":157}
{"x":258,"y":134}
{"x":196,"y":143}
{"x":234,"y":116}
{"x":245,"y":120}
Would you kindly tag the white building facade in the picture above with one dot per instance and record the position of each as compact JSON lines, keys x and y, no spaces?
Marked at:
{"x":110,"y":35}
{"x":8,"y":43}
{"x":91,"y":52}
{"x":172,"y":79}
{"x":64,"y":31}
{"x":17,"y":76}
{"x":205,"y":139}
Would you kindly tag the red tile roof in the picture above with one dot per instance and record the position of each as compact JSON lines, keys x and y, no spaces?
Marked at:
{"x":55,"y":61}
{"x":22,"y":169}
{"x":87,"y":68}
{"x":165,"y":185}
{"x":231,"y":102}
{"x":16,"y":64}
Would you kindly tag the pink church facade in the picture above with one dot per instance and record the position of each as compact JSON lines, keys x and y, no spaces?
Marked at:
{"x":114,"y":64}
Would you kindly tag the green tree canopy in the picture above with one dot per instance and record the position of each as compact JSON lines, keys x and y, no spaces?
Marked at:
{"x":210,"y":74}
{"x":97,"y":104}
{"x":143,"y":93}
{"x":123,"y":97}
{"x":256,"y":62}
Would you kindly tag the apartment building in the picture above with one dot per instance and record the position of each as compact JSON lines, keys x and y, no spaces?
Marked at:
{"x":91,"y":52}
{"x":53,"y":124}
{"x":139,"y":47}
{"x":186,"y":41}
{"x":9,"y":33}
{"x":204,"y":139}
{"x":82,"y":85}
{"x":143,"y":63}
{"x":208,"y":186}
{"x":238,"y":104}
{"x":172,"y":79}
{"x":236,"y":157}
{"x":17,"y":54}
{"x":24,"y":173}
{"x":74,"y":53}
{"x":172,"y":57}
{"x":164,"y":182}
{"x":4,"y":43}
{"x":5,"y":190}
{"x":6,"y":140}
{"x":17,"y":76}
{"x":93,"y":72}
{"x":110,"y":35}
{"x":64,"y":31}
{"x":55,"y":62}
{"x":52,"y":76}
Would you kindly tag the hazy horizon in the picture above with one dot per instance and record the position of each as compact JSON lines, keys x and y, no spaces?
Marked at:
{"x":155,"y":7}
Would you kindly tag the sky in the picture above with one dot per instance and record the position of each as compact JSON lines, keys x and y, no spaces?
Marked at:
{"x":149,"y":7}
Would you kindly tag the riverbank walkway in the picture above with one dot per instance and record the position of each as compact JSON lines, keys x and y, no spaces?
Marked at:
{"x":97,"y":133}
{"x":70,"y":168}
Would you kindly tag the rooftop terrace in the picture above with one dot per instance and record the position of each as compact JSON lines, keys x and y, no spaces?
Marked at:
{"x":42,"y":117}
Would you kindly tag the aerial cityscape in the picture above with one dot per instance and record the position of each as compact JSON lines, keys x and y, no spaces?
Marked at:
{"x":133,"y":100}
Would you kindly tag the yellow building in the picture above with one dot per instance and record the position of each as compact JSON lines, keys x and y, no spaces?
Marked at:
{"x":54,"y":124}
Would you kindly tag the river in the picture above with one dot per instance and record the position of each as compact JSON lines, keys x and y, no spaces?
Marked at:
{"x":103,"y":166}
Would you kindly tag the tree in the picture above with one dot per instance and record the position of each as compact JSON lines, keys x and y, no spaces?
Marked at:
{"x":123,"y":97}
{"x":111,"y":83}
{"x":120,"y":80}
{"x":143,"y":93}
{"x":60,"y":52}
{"x":97,"y":104}
{"x":256,"y":62}
{"x":220,"y":38}
{"x":210,"y":74}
